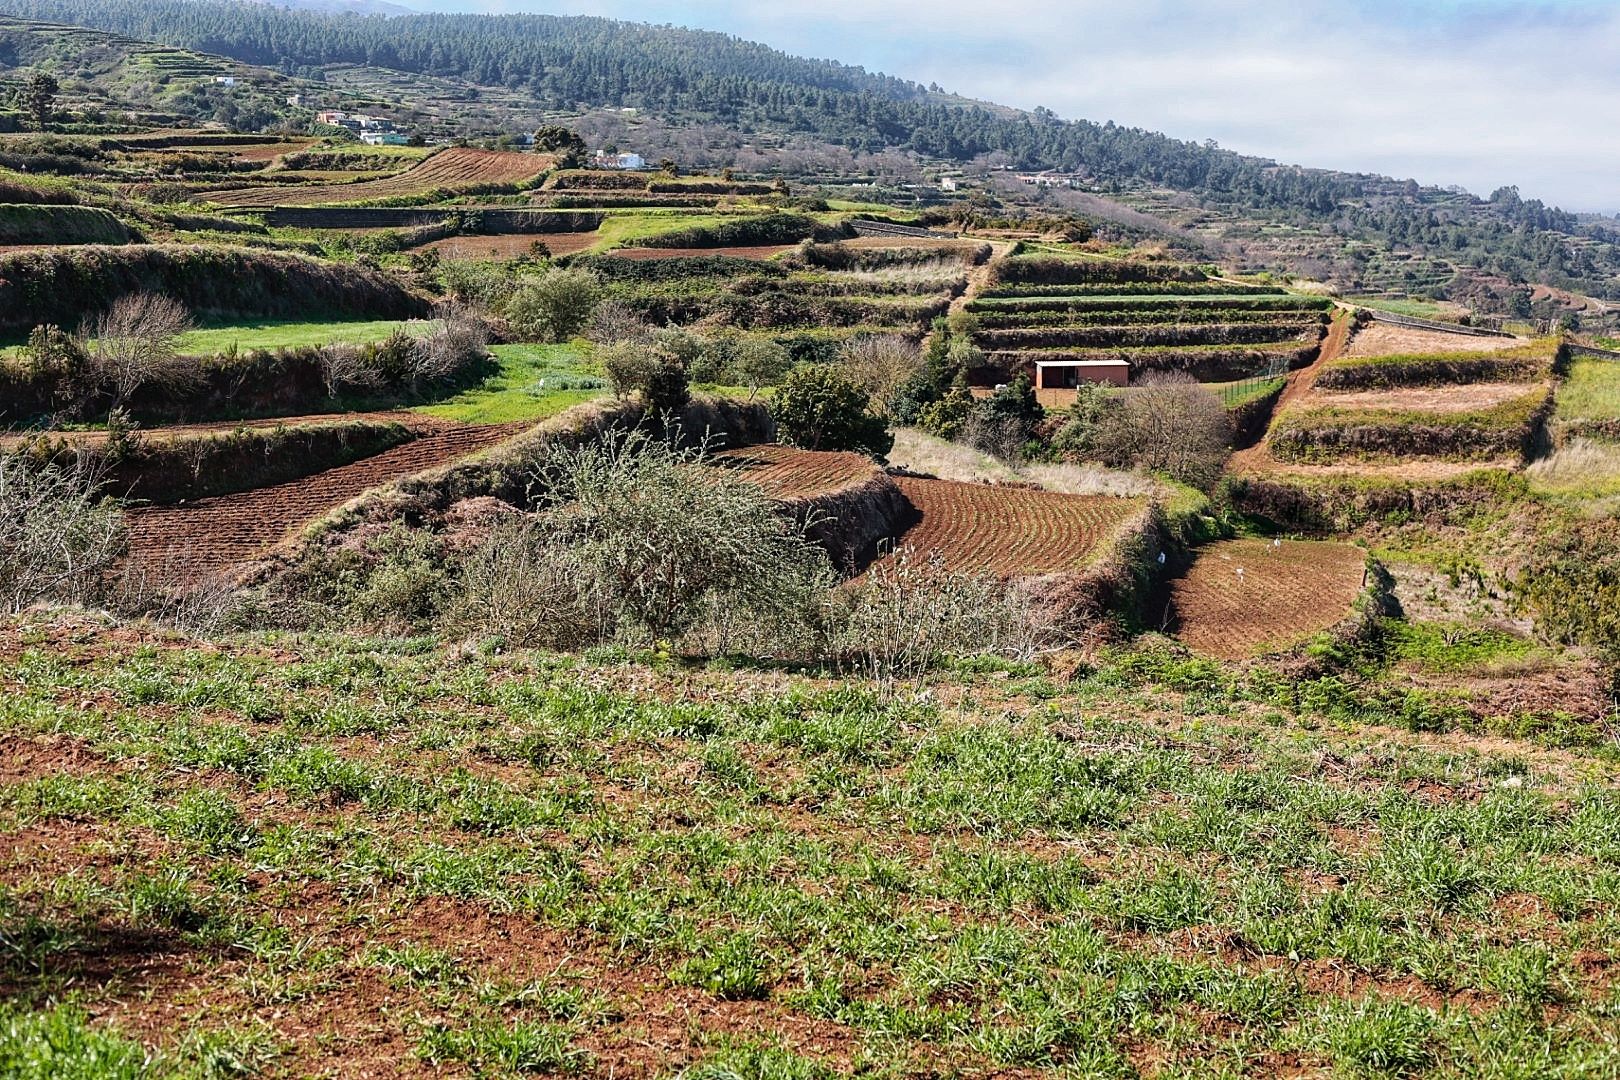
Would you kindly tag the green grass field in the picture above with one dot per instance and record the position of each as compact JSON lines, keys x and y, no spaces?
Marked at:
{"x":523,"y":387}
{"x":627,"y":229}
{"x":1591,"y":391}
{"x":312,"y":856}
{"x":210,"y":340}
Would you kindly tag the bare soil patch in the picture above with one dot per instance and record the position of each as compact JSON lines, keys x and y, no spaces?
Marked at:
{"x":1242,"y":597}
{"x":188,"y":541}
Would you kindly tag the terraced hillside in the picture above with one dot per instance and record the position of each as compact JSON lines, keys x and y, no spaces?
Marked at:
{"x":1461,"y":406}
{"x":457,"y":170}
{"x":1152,"y":317}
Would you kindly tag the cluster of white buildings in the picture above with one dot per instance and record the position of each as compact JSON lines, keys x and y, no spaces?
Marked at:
{"x":373,"y":130}
{"x":628,"y":162}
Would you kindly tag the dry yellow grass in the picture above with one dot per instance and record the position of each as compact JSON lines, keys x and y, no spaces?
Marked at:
{"x":1383,"y":339}
{"x":1430,"y":399}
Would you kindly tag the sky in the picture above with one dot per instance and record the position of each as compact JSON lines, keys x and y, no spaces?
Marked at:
{"x":1479,"y":93}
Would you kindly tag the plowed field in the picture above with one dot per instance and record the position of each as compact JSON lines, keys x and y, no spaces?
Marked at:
{"x":510,"y":245}
{"x":459,"y":168}
{"x":789,"y":474}
{"x":1009,"y":532}
{"x":1241,"y":598}
{"x":192,"y":540}
{"x":647,"y":254}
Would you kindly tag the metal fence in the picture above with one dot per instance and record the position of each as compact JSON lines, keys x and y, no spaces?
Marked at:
{"x":1236,"y":393}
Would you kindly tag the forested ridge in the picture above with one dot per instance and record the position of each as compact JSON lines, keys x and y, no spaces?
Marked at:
{"x":571,"y":62}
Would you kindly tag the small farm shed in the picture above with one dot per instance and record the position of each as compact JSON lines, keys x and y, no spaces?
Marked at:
{"x":1068,"y":374}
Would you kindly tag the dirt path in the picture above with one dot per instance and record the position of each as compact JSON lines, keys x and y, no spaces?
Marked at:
{"x":1298,"y":384}
{"x":189,"y":541}
{"x":978,"y":278}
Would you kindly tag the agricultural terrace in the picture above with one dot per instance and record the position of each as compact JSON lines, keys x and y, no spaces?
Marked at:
{"x":1242,"y":598}
{"x":1453,"y":405}
{"x":1008,"y":531}
{"x":186,"y":541}
{"x":820,"y":289}
{"x":453,"y":171}
{"x":1157,"y":317}
{"x":788,"y":474}
{"x":329,"y":858}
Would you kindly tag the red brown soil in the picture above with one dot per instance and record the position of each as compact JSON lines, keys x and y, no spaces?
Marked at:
{"x":1012,"y":532}
{"x":1242,"y":596}
{"x":459,"y":167}
{"x":189,"y":541}
{"x":510,"y":245}
{"x":788,"y":474}
{"x":765,"y":251}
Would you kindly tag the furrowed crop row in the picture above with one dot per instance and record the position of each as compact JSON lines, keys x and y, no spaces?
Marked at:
{"x":1014,"y":320}
{"x":1008,"y":532}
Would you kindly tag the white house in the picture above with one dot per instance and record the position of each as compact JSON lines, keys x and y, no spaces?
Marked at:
{"x":384,"y":138}
{"x":225,"y":80}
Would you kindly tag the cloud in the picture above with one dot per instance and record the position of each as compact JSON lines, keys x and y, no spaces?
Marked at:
{"x":1473,"y":93}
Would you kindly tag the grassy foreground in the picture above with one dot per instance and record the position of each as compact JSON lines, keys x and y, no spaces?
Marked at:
{"x":342,"y":857}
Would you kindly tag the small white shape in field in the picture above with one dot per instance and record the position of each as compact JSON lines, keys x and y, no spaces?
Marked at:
{"x":1161,"y":558}
{"x":1240,"y":573}
{"x":1276,"y":544}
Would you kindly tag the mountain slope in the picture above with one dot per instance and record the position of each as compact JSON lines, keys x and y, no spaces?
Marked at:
{"x":570,"y":64}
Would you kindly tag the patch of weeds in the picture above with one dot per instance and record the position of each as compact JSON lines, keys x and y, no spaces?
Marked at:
{"x":208,"y":820}
{"x":1373,"y":1038}
{"x":490,"y":1048}
{"x":748,"y":1061}
{"x":62,"y":1044}
{"x":732,"y":967}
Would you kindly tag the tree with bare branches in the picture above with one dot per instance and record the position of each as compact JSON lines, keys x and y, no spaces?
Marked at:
{"x":137,"y":344}
{"x":1168,"y":424}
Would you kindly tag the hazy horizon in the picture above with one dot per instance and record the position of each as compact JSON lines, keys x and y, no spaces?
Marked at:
{"x":1458,"y":92}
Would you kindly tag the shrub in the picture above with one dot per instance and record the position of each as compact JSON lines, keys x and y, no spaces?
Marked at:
{"x":655,"y":370}
{"x":642,"y":540}
{"x":819,"y":409}
{"x":55,"y":358}
{"x":1003,"y":424}
{"x":759,"y":362}
{"x":58,"y":538}
{"x":555,"y":306}
{"x":908,"y":613}
{"x":1572,"y":583}
{"x":1168,"y":424}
